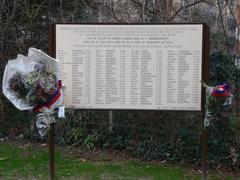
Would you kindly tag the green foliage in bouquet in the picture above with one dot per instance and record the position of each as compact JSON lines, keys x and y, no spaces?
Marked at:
{"x":16,"y":83}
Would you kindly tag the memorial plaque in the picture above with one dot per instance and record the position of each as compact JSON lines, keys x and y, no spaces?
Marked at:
{"x":136,"y":66}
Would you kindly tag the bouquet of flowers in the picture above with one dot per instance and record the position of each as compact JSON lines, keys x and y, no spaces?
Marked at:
{"x":32,"y":83}
{"x":222,"y":90}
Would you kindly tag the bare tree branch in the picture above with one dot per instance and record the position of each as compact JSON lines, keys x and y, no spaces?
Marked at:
{"x":7,"y":40}
{"x":222,"y":23}
{"x":113,"y":13}
{"x":145,"y":8}
{"x":185,"y":7}
{"x":236,"y":24}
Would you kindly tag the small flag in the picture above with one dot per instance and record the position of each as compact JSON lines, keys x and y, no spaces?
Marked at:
{"x":221,"y":90}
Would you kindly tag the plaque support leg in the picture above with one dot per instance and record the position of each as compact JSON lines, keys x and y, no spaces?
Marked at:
{"x":51,"y":152}
{"x":204,"y":153}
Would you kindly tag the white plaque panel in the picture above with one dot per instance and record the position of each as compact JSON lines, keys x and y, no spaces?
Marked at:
{"x":156,"y":67}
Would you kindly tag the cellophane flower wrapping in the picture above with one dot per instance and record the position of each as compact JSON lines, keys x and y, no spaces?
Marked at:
{"x":223,"y":90}
{"x":32,"y":83}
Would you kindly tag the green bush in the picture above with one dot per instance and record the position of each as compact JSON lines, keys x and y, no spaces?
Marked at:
{"x":221,"y":132}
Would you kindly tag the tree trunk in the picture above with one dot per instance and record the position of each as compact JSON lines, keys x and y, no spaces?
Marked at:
{"x":163,"y":9}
